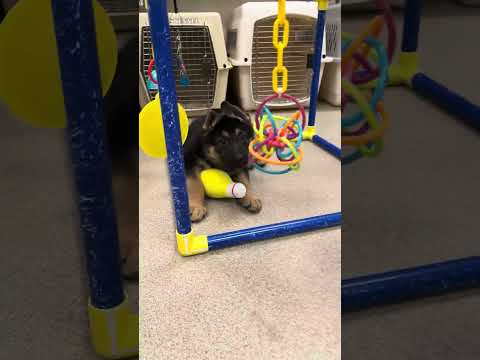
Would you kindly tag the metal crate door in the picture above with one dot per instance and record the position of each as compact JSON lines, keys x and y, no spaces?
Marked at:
{"x":199,"y":59}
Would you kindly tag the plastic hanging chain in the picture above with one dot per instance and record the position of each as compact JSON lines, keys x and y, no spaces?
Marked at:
{"x":184,"y":79}
{"x":280,"y":22}
{"x":205,"y":61}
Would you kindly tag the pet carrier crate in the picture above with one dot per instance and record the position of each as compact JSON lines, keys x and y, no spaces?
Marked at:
{"x":199,"y":61}
{"x":252,"y":53}
{"x":331,"y":88}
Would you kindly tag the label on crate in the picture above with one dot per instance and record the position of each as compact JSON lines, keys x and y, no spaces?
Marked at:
{"x":175,"y":19}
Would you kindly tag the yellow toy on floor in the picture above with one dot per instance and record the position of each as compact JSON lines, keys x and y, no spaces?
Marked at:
{"x":218,"y":185}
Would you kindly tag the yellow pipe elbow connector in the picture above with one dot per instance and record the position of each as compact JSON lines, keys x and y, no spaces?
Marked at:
{"x":309,"y":132}
{"x":114,"y":332}
{"x":322,"y":4}
{"x":191,"y":244}
{"x":403,"y":71}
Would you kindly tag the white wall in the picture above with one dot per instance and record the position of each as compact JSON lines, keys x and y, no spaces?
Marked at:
{"x":224,"y":7}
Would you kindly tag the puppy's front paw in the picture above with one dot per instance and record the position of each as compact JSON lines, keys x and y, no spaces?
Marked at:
{"x":128,"y":237}
{"x":130,"y":268}
{"x":197,"y":213}
{"x":252,"y":204}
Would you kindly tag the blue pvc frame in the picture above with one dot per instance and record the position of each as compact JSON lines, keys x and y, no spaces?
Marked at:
{"x":160,"y":33}
{"x":425,"y":86}
{"x":406,"y":284}
{"x":272,"y":231}
{"x":80,"y":75}
{"x":435,"y":279}
{"x":158,"y":16}
{"x":316,"y":64}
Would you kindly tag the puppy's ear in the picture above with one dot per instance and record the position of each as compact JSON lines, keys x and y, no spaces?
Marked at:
{"x":233,"y":111}
{"x":212,"y":118}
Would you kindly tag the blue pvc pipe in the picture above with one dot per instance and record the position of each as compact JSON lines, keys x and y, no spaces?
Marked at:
{"x":77,"y":51}
{"x":264,"y":232}
{"x":447,"y":99}
{"x":327,"y":146}
{"x":351,"y":157}
{"x":411,"y":25}
{"x":408,"y":284}
{"x":160,"y":32}
{"x":317,"y":63}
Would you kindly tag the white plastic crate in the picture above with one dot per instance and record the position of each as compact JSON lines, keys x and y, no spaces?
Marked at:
{"x":254,"y":57}
{"x":202,"y":43}
{"x":331,"y":87}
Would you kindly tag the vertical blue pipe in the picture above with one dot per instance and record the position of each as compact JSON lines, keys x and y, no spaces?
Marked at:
{"x":160,"y":32}
{"x":408,"y":284}
{"x":77,"y":51}
{"x":317,"y":62}
{"x":411,"y":25}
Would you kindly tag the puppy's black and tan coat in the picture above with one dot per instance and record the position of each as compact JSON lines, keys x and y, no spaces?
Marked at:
{"x":219,"y":140}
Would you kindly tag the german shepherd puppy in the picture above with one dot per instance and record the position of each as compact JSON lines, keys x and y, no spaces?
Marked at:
{"x":219,"y":140}
{"x":122,"y":106}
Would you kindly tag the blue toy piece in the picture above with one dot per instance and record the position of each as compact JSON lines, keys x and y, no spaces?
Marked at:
{"x":184,"y":80}
{"x":150,"y":84}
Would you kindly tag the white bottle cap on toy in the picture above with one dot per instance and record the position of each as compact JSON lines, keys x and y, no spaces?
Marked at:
{"x":236,"y":190}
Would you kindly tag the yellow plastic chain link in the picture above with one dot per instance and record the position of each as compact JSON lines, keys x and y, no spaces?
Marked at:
{"x":280,"y":69}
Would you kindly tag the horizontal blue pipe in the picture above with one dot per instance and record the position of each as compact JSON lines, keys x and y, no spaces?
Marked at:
{"x":351,"y":157}
{"x":264,"y":232}
{"x":327,"y":146}
{"x":408,"y":284}
{"x":447,"y":99}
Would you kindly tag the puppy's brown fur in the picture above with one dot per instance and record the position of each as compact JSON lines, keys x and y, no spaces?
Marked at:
{"x":121,"y":108}
{"x":219,"y":140}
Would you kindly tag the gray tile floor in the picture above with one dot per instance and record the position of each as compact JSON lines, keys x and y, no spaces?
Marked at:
{"x":277,"y":299}
{"x":44,"y":294}
{"x":428,"y":155}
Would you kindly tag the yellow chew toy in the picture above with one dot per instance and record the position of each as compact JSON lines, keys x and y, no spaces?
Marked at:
{"x":29,"y":57}
{"x":219,"y":185}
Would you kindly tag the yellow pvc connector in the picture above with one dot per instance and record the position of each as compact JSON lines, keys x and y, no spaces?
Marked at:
{"x":403,"y":71}
{"x":322,"y":4}
{"x":309,"y":132}
{"x":191,"y":244}
{"x":114,"y":332}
